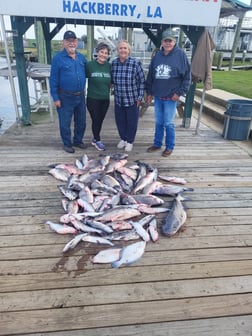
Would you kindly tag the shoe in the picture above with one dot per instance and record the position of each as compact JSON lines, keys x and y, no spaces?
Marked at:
{"x":68,"y":149}
{"x":166,"y":152}
{"x":121,"y":144}
{"x":152,"y":149}
{"x":128,"y":147}
{"x":98,"y":145}
{"x":80,"y":145}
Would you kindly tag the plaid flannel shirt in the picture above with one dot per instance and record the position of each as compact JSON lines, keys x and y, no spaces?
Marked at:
{"x":129,"y":81}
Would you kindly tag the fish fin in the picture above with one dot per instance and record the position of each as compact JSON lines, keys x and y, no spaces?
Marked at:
{"x":185,"y":198}
{"x":53,"y":165}
{"x":180,"y":197}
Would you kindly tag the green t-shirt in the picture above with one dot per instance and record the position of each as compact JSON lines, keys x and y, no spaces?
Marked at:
{"x":99,"y":80}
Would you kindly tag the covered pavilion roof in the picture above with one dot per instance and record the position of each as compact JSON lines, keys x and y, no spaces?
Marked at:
{"x":233,"y":7}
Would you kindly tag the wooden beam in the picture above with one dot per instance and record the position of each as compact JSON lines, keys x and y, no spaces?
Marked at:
{"x":21,"y":27}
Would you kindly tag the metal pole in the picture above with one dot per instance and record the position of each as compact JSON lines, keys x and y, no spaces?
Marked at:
{"x":14,"y":96}
{"x":200,"y":110}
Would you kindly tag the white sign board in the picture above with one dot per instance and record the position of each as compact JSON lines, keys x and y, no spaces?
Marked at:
{"x":179,"y":12}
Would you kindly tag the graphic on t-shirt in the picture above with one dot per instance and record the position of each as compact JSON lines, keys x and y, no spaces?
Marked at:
{"x":163,"y":71}
{"x":100,"y":74}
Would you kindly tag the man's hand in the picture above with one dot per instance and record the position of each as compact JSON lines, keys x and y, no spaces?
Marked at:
{"x":175,"y":97}
{"x":57,"y":103}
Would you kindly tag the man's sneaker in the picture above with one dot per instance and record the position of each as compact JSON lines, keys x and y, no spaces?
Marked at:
{"x":121,"y":144}
{"x":128,"y":147}
{"x":80,"y":145}
{"x":68,"y":149}
{"x":98,"y":145}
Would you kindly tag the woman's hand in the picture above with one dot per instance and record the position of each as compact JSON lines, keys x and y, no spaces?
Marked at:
{"x":148,"y":99}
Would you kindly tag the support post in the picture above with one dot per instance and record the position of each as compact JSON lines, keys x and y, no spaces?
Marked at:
{"x":90,"y":42}
{"x":12,"y":84}
{"x":189,"y":106}
{"x":236,"y":40}
{"x":21,"y":71}
{"x":40,"y":41}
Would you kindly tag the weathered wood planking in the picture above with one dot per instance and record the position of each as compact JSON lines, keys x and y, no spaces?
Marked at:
{"x":225,"y":326}
{"x":123,"y":314}
{"x":197,"y":282}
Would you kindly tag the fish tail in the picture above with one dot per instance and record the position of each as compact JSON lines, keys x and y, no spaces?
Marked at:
{"x":116,"y":264}
{"x":188,"y":189}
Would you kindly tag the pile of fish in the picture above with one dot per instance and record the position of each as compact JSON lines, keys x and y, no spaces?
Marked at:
{"x":106,"y":200}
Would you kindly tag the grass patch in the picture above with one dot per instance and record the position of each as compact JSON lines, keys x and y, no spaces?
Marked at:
{"x":238,"y":82}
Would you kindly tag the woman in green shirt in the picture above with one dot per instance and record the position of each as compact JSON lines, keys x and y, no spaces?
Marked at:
{"x":98,"y":91}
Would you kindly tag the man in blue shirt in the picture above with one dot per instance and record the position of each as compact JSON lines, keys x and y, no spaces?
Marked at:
{"x":67,"y":85}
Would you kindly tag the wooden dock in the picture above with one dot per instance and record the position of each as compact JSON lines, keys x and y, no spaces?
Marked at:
{"x":196,"y":283}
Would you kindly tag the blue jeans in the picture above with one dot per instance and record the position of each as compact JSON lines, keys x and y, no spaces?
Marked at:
{"x":126,"y":118}
{"x":165,"y":111}
{"x":72,"y":107}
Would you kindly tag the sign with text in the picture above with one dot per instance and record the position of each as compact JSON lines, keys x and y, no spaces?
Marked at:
{"x":180,"y":12}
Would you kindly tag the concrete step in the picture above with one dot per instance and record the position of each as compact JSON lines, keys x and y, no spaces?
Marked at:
{"x":215,"y":102}
{"x":210,"y":108}
{"x":212,"y":96}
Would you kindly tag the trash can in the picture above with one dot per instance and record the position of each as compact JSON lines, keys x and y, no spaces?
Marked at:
{"x":237,"y":119}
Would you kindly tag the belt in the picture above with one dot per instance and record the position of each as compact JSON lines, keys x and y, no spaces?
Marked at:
{"x":78,"y":93}
{"x":165,"y":98}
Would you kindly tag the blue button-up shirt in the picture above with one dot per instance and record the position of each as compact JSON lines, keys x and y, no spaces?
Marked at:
{"x":67,"y":73}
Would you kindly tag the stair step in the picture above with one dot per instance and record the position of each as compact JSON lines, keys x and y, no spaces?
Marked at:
{"x":215,"y":103}
{"x":212,"y":97}
{"x":213,"y":109}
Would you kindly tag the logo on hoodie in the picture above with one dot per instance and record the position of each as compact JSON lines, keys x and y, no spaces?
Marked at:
{"x":163,"y":71}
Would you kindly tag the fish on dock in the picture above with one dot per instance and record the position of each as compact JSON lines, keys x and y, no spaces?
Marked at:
{"x":61,"y":228}
{"x":175,"y":218}
{"x":97,"y":240}
{"x":73,"y":242}
{"x":130,"y":254}
{"x":120,"y":212}
{"x":60,"y":174}
{"x":169,"y":190}
{"x":173,"y":179}
{"x":105,"y":201}
{"x":106,"y":256}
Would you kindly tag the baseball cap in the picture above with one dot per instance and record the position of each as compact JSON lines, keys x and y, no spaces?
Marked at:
{"x":168,"y":35}
{"x":69,"y":35}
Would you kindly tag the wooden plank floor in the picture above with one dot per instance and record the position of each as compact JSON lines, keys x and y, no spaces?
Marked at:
{"x":198,"y":282}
